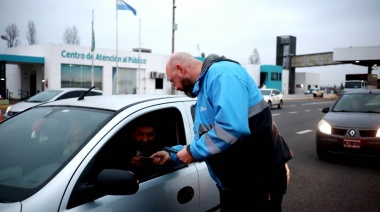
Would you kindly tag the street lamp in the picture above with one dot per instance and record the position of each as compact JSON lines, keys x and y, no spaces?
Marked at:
{"x":4,"y":37}
{"x":174,"y":28}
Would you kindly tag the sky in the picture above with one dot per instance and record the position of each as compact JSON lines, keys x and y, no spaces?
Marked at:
{"x":225,"y":27}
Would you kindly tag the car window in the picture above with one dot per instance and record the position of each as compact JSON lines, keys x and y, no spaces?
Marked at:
{"x":117,"y":152}
{"x":265,"y":92}
{"x":37,"y":144}
{"x":362,"y":102}
{"x":71,"y":94}
{"x":92,"y":93}
{"x":44,"y":96}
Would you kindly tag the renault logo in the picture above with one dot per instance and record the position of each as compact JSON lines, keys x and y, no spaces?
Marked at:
{"x":352,"y":133}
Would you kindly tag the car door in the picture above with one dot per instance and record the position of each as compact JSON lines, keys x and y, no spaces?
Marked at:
{"x":208,"y":191}
{"x":177,"y":189}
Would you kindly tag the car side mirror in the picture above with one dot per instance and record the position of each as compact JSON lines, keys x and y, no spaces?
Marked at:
{"x":117,"y":182}
{"x":326,"y":110}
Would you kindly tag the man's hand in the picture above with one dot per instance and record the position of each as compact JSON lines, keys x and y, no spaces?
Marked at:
{"x":160,"y":157}
{"x":137,"y":161}
{"x":185,"y":156}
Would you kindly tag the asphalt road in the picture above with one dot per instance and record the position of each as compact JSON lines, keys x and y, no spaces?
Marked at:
{"x":316,"y":185}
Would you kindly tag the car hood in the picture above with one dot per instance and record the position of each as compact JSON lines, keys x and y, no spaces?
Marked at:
{"x":11,"y":207}
{"x":18,"y":107}
{"x":359,"y":120}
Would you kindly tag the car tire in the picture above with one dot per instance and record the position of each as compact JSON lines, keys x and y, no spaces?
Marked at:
{"x":270,"y":104}
{"x":321,"y":95}
{"x":280,"y":105}
{"x":322,"y":154}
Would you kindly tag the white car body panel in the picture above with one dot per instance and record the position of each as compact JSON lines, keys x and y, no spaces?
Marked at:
{"x":160,"y":193}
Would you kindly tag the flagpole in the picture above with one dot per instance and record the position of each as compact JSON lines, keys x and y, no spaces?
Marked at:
{"x":120,"y":5}
{"x":138,"y":74}
{"x":93,"y":50}
{"x":117,"y":53}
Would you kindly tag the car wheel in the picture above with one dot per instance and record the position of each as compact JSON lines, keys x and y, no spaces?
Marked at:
{"x":280,"y":105}
{"x":270,"y":104}
{"x":315,"y":95}
{"x":321,"y":95}
{"x":322,"y":154}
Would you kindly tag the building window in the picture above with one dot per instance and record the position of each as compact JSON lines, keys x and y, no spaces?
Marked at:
{"x":79,"y":76}
{"x":124,"y":82}
{"x":274,"y":76}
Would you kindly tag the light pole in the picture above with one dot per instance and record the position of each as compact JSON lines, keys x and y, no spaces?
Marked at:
{"x":174,"y":28}
{"x":4,"y":37}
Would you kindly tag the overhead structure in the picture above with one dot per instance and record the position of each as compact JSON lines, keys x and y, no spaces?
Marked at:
{"x":286,"y":57}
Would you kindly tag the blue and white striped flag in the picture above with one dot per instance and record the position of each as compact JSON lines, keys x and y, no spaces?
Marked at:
{"x":121,"y":5}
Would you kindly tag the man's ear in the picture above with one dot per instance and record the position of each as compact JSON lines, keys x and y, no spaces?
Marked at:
{"x":180,"y":68}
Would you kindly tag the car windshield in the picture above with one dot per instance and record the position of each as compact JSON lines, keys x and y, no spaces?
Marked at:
{"x":265,"y":92}
{"x":44,"y":96}
{"x":353,"y":85}
{"x":358,"y":102}
{"x":36,"y":144}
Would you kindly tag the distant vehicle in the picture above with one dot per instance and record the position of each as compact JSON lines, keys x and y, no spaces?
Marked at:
{"x":48,"y":96}
{"x":37,"y":172}
{"x":273,"y":97}
{"x":360,"y":81}
{"x":315,"y":91}
{"x":351,"y":126}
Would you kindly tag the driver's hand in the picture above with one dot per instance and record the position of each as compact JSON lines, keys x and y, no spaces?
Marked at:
{"x":137,"y":161}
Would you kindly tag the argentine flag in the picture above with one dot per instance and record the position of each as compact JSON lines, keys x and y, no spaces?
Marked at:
{"x":121,"y":5}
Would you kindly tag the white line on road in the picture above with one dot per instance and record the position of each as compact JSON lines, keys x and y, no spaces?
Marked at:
{"x":315,"y":103}
{"x":275,"y":114}
{"x":293,"y":112}
{"x":305,"y":131}
{"x":307,"y":110}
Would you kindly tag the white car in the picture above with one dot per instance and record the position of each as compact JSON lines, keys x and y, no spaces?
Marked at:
{"x":273,"y":97}
{"x":315,"y":91}
{"x":48,"y":96}
{"x":38,"y":174}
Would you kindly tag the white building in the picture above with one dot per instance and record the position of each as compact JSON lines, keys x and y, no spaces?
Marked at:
{"x":56,"y":65}
{"x":305,"y":81}
{"x":34,"y":68}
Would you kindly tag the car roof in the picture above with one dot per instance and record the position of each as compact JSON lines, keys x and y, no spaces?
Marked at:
{"x":116,"y":102}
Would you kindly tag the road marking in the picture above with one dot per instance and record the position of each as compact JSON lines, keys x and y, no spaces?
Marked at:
{"x":303,"y":132}
{"x":275,"y":114}
{"x":315,"y":103}
{"x":307,"y":110}
{"x":293,"y":112}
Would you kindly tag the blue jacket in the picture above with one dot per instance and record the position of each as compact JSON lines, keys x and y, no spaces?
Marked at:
{"x":226,"y":97}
